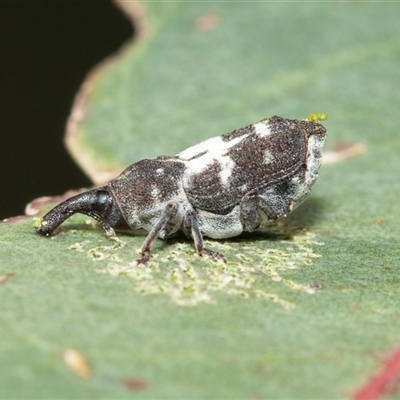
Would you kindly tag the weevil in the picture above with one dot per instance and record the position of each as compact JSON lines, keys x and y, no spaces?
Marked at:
{"x":218,"y":188}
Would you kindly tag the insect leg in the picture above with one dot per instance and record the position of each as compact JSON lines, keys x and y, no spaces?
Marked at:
{"x":191,"y":220}
{"x":272,"y":201}
{"x":249,"y":216}
{"x":170,"y":212}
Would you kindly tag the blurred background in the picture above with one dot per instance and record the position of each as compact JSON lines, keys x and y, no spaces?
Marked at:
{"x":46,"y":50}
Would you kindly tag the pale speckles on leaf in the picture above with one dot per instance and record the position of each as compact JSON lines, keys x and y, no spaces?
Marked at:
{"x":188,"y":280}
{"x":98,"y":253}
{"x":275,"y":299}
{"x":79,"y":246}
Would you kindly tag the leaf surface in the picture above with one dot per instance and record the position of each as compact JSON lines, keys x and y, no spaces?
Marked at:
{"x":307,"y":309}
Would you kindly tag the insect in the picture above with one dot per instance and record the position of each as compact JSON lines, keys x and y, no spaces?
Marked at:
{"x":218,"y":188}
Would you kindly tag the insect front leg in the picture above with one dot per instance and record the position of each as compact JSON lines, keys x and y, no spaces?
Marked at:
{"x":192,"y":226}
{"x":273,"y":201}
{"x":170,"y":213}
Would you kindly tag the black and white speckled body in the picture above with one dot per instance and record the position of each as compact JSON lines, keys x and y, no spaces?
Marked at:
{"x":218,"y":188}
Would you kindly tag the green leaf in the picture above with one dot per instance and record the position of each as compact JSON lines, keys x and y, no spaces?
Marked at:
{"x":307,"y":309}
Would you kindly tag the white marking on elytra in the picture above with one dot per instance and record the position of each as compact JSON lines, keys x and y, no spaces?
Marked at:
{"x":159,"y":171}
{"x":202,"y":147}
{"x":262,"y":129}
{"x":214,"y":149}
{"x":227,"y":165}
{"x":155,"y":191}
{"x":268,"y":157}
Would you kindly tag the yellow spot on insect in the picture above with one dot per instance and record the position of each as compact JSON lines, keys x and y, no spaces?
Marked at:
{"x":77,"y":363}
{"x":316,"y":117}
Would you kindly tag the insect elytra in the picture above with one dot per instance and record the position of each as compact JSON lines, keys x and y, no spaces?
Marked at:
{"x":218,"y":188}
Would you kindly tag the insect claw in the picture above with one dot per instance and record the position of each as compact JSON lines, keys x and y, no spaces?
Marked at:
{"x":145,"y":258}
{"x":217,"y":256}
